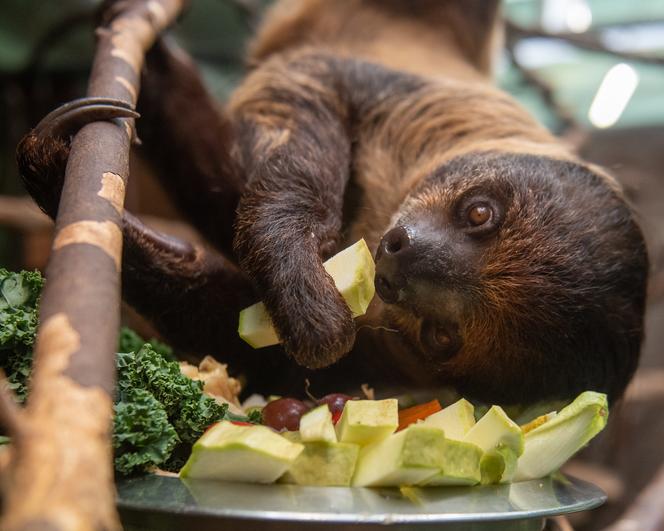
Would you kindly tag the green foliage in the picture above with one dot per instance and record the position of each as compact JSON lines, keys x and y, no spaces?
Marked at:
{"x":142,"y":435}
{"x":159,"y":412}
{"x":19,"y":313}
{"x":187,"y":408}
{"x":130,"y":341}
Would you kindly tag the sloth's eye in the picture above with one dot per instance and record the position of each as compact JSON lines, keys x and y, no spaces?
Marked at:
{"x":479,"y":214}
{"x":442,"y":339}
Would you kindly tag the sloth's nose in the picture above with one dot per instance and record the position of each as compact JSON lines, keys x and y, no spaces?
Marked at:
{"x":394,"y":254}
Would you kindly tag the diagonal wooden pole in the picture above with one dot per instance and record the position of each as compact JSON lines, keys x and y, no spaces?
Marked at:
{"x":60,"y":474}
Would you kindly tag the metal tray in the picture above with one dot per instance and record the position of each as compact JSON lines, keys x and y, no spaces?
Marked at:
{"x":163,"y":503}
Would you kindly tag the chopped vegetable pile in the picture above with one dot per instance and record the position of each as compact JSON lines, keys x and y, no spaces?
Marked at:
{"x":374,"y":444}
{"x":169,"y":414}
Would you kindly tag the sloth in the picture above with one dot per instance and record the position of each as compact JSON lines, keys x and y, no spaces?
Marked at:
{"x":506,"y":267}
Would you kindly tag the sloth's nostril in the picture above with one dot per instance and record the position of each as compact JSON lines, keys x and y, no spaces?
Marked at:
{"x":396,"y":240}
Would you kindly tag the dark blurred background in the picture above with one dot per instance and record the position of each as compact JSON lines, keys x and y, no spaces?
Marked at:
{"x":591,"y":70}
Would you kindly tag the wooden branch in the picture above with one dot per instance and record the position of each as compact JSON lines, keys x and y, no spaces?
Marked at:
{"x":60,"y":476}
{"x":587,"y":41}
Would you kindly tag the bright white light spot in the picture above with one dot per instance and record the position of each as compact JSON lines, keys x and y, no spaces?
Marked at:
{"x":612,"y":96}
{"x":566,"y":15}
{"x":578,"y":17}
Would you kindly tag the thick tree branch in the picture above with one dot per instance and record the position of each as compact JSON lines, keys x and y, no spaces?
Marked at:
{"x":60,"y":476}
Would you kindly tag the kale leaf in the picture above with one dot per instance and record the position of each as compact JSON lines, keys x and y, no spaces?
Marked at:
{"x":19,"y":309}
{"x":142,"y":435}
{"x":159,"y":412}
{"x":181,"y":400}
{"x":130,"y":341}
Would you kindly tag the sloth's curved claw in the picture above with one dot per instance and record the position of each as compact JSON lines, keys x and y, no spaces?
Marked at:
{"x":70,"y":117}
{"x":42,"y":154}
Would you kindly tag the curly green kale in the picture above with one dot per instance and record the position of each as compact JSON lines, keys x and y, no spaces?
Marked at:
{"x":19,"y":313}
{"x":130,"y":341}
{"x":142,"y":435}
{"x":187,"y":410}
{"x":159,"y":412}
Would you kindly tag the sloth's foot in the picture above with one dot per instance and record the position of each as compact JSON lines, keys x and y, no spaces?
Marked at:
{"x":42,"y":154}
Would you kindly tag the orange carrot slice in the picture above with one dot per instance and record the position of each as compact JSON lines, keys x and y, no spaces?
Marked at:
{"x":419,"y":412}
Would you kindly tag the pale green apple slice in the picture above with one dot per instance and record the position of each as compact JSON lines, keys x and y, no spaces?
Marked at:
{"x":252,"y":454}
{"x":496,"y":428}
{"x":501,"y":439}
{"x":455,"y":420}
{"x":409,"y":457}
{"x":366,"y":421}
{"x":324,"y":464}
{"x":316,"y":425}
{"x":460,"y":464}
{"x":498,"y":465}
{"x":353,"y":272}
{"x":551,"y":444}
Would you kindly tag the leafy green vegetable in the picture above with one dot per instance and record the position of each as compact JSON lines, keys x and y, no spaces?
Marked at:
{"x":187,"y":408}
{"x":159,"y":412}
{"x":142,"y":435}
{"x":19,"y":313}
{"x":130,"y":341}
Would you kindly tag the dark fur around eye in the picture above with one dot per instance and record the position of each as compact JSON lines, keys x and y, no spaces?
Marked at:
{"x":440,"y":339}
{"x":479,"y":215}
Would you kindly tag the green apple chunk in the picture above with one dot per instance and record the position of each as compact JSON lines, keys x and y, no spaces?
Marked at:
{"x":256,"y":328}
{"x":498,"y":465}
{"x":460,"y":464}
{"x":496,"y":428}
{"x":455,"y":420}
{"x":409,"y":457}
{"x":366,"y":421}
{"x":551,"y":444}
{"x":502,"y":441}
{"x":325,"y":464}
{"x":253,"y":454}
{"x":316,"y":425}
{"x":353,"y":272}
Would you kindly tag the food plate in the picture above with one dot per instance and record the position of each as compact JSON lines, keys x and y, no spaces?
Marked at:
{"x":165,"y":503}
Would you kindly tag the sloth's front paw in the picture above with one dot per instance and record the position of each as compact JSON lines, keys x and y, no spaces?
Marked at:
{"x":316,"y":327}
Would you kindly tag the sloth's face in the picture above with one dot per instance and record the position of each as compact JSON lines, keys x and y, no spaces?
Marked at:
{"x":516,"y":277}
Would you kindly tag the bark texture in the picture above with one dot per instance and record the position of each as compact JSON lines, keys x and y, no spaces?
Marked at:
{"x":59,"y":475}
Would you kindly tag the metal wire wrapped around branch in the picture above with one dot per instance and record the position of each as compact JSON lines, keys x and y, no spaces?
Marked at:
{"x":59,"y":475}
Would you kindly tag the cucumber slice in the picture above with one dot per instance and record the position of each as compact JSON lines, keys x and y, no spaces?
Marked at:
{"x":460,"y":464}
{"x":367,"y":421}
{"x":353,"y":272}
{"x":325,"y":464}
{"x":551,"y":444}
{"x":455,"y":420}
{"x":253,"y":454}
{"x":409,"y":457}
{"x":316,"y":425}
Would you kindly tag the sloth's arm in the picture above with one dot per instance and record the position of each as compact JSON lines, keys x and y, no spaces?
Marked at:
{"x":192,"y":295}
{"x":292,"y":126}
{"x":189,"y":140}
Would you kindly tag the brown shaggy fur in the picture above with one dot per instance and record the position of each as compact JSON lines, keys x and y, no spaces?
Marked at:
{"x":360,"y":116}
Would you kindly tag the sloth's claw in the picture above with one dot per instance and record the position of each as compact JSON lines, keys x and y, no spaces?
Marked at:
{"x":42,"y":154}
{"x":70,"y":117}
